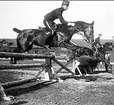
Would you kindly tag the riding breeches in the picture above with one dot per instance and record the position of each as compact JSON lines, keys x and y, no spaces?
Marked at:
{"x":49,"y":25}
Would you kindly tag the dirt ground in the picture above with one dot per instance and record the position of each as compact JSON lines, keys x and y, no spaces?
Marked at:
{"x":95,"y":89}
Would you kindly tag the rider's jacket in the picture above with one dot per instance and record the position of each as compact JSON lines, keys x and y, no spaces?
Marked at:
{"x":56,"y":14}
{"x":97,"y":42}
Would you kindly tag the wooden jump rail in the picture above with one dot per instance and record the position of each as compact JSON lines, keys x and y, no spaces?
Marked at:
{"x":47,"y":65}
{"x":17,"y":83}
{"x":20,"y":82}
{"x":25,"y":55}
{"x":20,"y":66}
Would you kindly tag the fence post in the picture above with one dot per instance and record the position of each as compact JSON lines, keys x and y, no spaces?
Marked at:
{"x":73,"y":63}
{"x":2,"y":93}
{"x":48,"y":71}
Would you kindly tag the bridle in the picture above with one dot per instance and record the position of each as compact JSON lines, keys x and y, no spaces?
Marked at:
{"x":75,"y":29}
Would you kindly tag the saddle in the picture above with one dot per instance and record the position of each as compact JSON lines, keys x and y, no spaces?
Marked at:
{"x":48,"y":32}
{"x":44,"y":29}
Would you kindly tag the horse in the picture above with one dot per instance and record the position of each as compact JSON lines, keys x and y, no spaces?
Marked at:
{"x":28,"y":37}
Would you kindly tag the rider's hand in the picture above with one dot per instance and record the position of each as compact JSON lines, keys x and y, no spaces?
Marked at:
{"x":71,"y":24}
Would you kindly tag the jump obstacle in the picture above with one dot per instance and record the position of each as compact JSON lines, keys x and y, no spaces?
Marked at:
{"x":47,"y":67}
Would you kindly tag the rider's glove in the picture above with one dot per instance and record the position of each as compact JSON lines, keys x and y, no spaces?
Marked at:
{"x":71,"y":24}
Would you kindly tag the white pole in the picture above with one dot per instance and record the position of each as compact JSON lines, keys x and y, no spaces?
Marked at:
{"x":73,"y":63}
{"x":3,"y":95}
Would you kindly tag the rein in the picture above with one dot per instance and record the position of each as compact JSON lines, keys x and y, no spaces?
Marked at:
{"x":78,"y":32}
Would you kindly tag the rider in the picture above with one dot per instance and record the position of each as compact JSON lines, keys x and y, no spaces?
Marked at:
{"x":55,"y":14}
{"x":96,"y":43}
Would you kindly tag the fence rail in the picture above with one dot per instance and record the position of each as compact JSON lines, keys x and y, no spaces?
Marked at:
{"x":25,"y":55}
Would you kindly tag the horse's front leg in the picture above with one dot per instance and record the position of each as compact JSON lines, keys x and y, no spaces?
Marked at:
{"x":45,"y":47}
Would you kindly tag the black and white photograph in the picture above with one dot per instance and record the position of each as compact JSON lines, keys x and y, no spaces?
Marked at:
{"x":56,"y":52}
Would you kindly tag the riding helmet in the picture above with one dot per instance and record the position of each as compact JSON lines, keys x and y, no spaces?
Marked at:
{"x":99,"y":35}
{"x":65,"y":2}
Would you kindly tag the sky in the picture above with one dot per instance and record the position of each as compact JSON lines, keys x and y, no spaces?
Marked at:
{"x":30,"y":15}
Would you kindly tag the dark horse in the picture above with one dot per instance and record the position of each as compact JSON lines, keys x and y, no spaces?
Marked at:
{"x":29,"y":37}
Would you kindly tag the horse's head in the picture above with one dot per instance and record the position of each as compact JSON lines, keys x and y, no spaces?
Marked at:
{"x":86,"y":28}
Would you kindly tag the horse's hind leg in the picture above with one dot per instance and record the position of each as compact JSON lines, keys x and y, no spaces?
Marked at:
{"x":29,"y":47}
{"x":29,"y":43}
{"x":19,"y":47}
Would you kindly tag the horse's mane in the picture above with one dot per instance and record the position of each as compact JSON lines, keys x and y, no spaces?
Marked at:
{"x":63,"y":28}
{"x":76,"y":22}
{"x":81,"y":22}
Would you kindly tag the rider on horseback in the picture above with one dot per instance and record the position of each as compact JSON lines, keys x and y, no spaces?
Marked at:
{"x":97,"y":41}
{"x":97,"y":44}
{"x":53,"y":15}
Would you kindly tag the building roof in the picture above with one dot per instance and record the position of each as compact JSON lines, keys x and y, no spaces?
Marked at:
{"x":14,"y":42}
{"x":10,"y":41}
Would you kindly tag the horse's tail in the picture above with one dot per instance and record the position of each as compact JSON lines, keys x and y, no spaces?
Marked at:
{"x":17,"y":30}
